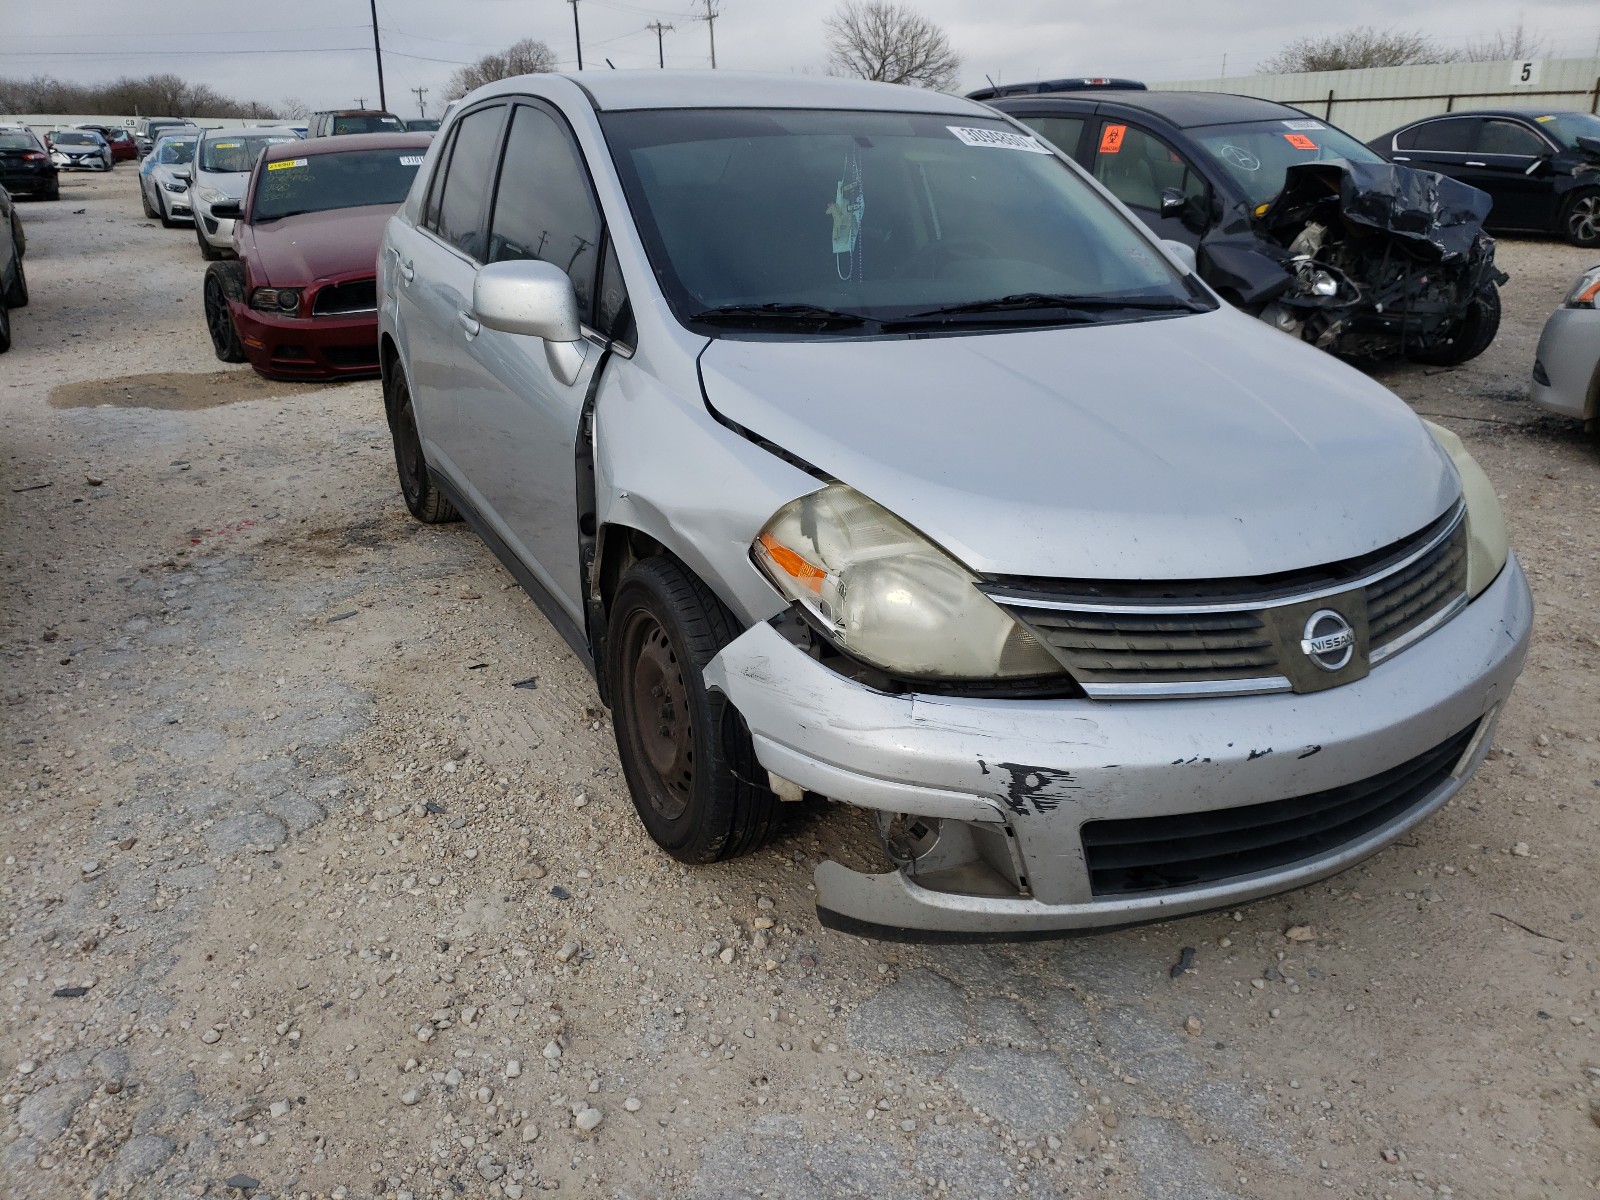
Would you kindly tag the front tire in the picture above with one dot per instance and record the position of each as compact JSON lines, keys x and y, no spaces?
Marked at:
{"x":686,"y":754}
{"x":5,"y":327}
{"x":1580,"y":219}
{"x":17,"y":293}
{"x":423,"y":498}
{"x":149,"y":209}
{"x":223,"y":280}
{"x":207,"y":251}
{"x":1471,"y":337}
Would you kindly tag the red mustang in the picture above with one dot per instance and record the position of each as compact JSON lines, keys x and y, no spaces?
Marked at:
{"x":300,"y":299}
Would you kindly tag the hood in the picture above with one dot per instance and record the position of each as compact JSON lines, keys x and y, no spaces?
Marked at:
{"x":295,"y":251}
{"x":1197,"y":447}
{"x":1439,"y":217}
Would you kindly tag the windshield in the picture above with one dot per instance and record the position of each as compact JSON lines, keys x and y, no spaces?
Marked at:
{"x":16,"y":141}
{"x":237,"y":153}
{"x":324,"y":181}
{"x":175,"y":151}
{"x":368,"y":124}
{"x":1257,"y":154}
{"x":75,"y":139}
{"x":1567,"y":128}
{"x":884,"y":216}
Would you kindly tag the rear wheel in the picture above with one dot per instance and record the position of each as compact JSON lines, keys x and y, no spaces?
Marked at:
{"x":1471,"y":337}
{"x":55,"y":190}
{"x":222,"y":280}
{"x":422,"y":495}
{"x":1580,"y":221}
{"x":685,"y":751}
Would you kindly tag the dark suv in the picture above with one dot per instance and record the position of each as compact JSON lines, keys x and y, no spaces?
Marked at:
{"x":1290,"y":218}
{"x":1542,"y":168}
{"x":353,"y":120}
{"x":25,"y":166}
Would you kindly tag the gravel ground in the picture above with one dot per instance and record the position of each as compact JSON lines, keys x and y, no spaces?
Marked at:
{"x":322,"y":881}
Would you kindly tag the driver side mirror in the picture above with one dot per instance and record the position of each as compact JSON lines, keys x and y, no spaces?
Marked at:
{"x":1172,"y":202}
{"x":534,"y":299}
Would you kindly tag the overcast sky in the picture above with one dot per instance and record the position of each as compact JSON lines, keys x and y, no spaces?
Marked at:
{"x":319,"y":51}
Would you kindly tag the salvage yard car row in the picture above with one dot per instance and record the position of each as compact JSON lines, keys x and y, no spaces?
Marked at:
{"x":766,"y":389}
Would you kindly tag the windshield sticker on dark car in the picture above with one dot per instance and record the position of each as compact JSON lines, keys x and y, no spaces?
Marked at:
{"x":1111,"y":139}
{"x":1299,"y":141}
{"x":1302,"y":124}
{"x":411,"y":160}
{"x":286,"y":163}
{"x":999,"y":139}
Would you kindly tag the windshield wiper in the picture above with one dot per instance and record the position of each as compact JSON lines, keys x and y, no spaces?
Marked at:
{"x":1078,"y":306}
{"x":777,"y":314}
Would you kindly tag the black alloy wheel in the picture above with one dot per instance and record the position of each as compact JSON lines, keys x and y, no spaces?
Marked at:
{"x":1471,"y":337}
{"x":219,"y":320}
{"x":685,"y":751}
{"x":1580,"y":221}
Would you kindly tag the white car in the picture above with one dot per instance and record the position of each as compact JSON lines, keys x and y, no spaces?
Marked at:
{"x":80,"y":149}
{"x":1566,"y":369}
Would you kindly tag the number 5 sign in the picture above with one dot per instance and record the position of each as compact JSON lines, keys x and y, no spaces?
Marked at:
{"x":1524,"y":73}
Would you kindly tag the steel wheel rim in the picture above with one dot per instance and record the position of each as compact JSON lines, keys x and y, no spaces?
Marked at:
{"x":1584,"y":223}
{"x":408,"y":453}
{"x":659,"y":712}
{"x":218,"y":320}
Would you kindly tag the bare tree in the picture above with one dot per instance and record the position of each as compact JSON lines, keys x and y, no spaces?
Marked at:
{"x":151,"y":96}
{"x":1506,"y":45}
{"x":527,"y":57}
{"x":892,"y":43}
{"x":1363,"y":46}
{"x":292,"y":108}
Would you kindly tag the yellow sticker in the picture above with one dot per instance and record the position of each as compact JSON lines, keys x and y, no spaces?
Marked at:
{"x":226,"y":145}
{"x":1542,"y":119}
{"x":285,"y":164}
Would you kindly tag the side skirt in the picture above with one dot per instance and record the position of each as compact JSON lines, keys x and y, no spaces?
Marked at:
{"x":526,"y":579}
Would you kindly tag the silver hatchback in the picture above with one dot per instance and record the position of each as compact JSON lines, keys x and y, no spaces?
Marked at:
{"x":866,"y":449}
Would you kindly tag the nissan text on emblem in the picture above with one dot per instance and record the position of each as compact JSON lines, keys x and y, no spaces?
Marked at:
{"x":1328,"y":640}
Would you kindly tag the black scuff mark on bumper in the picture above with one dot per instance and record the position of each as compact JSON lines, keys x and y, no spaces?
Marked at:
{"x":1309,"y":751}
{"x":1035,"y":789}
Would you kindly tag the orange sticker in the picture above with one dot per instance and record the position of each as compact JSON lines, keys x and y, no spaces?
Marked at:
{"x":1111,"y":139}
{"x":1299,"y":141}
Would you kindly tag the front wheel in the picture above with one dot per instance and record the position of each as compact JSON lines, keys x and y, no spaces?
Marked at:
{"x":5,"y":327}
{"x":685,"y":751}
{"x":207,"y":251}
{"x":1581,"y":220}
{"x":1471,"y":337}
{"x":223,"y":279}
{"x":17,"y":294}
{"x":149,"y":209}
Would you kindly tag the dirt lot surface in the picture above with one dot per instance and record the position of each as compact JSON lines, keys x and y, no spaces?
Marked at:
{"x":321,"y":879}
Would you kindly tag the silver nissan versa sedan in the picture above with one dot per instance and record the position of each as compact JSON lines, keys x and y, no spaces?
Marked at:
{"x":865,"y":448}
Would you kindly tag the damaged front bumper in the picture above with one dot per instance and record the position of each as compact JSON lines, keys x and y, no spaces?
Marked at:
{"x":1017,"y":817}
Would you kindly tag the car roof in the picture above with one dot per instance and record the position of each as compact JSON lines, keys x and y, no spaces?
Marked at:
{"x":355,"y":112}
{"x":1183,"y":109}
{"x":246,"y":130}
{"x":344,"y":144}
{"x":1527,"y":114}
{"x":618,"y":91}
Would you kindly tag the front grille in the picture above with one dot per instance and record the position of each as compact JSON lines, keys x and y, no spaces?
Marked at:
{"x":342,"y":299}
{"x":1125,"y":638}
{"x":1147,"y":854}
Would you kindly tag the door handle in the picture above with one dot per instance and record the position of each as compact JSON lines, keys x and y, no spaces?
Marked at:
{"x":1401,"y":158}
{"x":1470,"y":163}
{"x":407,"y":272}
{"x":469,"y":323}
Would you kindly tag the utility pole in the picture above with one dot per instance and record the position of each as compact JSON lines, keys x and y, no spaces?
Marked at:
{"x":377,"y":51}
{"x":661,"y":53}
{"x":361,"y":101}
{"x":577,"y":33}
{"x":711,"y":27}
{"x":422,"y":109}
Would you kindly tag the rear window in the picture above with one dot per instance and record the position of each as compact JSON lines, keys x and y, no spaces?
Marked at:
{"x":16,"y":141}
{"x":320,"y":182}
{"x":368,"y":124}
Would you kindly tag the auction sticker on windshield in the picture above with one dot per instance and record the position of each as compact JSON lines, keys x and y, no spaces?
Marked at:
{"x":285,"y":164}
{"x":1303,"y":124}
{"x":411,"y":160}
{"x":998,"y":139}
{"x":1299,"y":141}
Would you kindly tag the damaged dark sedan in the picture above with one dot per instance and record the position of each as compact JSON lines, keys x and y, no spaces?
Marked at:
{"x":1291,"y":219}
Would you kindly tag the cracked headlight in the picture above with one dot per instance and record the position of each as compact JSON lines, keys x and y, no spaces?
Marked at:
{"x":888,"y":596}
{"x":1488,"y":542}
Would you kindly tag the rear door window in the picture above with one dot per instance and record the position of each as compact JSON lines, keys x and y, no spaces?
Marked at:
{"x":1061,"y":132}
{"x":1137,"y":167}
{"x":1510,"y":137}
{"x":1451,"y":135}
{"x":462,"y":192}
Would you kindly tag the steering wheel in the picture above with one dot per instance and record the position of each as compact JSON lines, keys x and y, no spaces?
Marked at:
{"x":935,"y":256}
